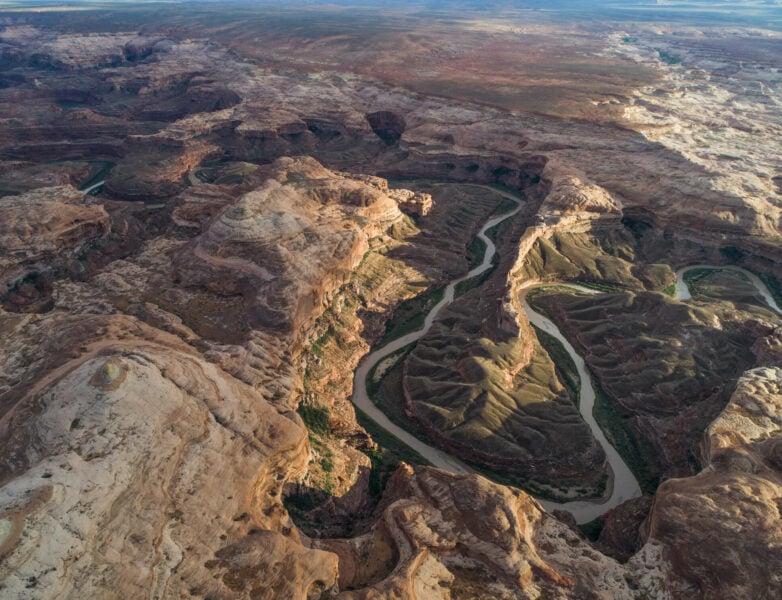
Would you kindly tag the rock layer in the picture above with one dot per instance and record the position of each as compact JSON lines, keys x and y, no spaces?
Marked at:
{"x":39,"y":229}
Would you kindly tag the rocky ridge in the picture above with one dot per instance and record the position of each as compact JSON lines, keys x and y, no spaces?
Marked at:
{"x":132,"y":403}
{"x":288,"y":246}
{"x":702,"y":77}
{"x":131,"y":399}
{"x":135,"y":405}
{"x":738,"y":490}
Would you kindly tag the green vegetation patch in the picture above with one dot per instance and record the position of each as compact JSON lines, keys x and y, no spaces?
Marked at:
{"x":387,"y":394}
{"x":99,"y":170}
{"x":774,"y":286}
{"x":507,"y":205}
{"x":476,"y":250}
{"x":600,"y":286}
{"x":403,"y":229}
{"x":733,"y":254}
{"x":726,"y":285}
{"x":474,"y":282}
{"x":494,"y":233}
{"x":389,"y":453}
{"x":614,"y":424}
{"x":318,"y":347}
{"x":316,"y":418}
{"x":410,"y":315}
{"x":296,"y":504}
{"x":593,"y":529}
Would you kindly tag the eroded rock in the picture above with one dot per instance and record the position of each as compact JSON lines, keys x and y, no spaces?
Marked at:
{"x":735,"y":497}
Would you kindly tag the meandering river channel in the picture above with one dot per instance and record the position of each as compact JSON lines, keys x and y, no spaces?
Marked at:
{"x":361,"y":398}
{"x":622,"y":483}
{"x":683,"y":292}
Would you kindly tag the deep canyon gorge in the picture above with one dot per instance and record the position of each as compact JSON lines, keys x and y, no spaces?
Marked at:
{"x":421,"y":301}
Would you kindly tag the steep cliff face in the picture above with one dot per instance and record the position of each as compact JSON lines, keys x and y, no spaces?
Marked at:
{"x":40,"y":224}
{"x":133,"y":463}
{"x":735,"y":497}
{"x":571,"y":204}
{"x":444,"y":536}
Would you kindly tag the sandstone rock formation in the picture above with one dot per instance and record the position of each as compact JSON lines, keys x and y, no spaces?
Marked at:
{"x":416,"y":203}
{"x":387,"y":125}
{"x":134,"y":406}
{"x":737,"y":495}
{"x":448,"y":536}
{"x":41,"y":231}
{"x":288,"y":246}
{"x":711,"y":70}
{"x":571,"y":194}
{"x":41,"y":224}
{"x":148,"y":421}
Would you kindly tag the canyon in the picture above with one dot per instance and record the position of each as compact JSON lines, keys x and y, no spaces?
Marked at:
{"x":299,"y":302}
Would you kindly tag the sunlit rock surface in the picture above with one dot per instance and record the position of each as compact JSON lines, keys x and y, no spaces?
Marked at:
{"x":157,"y":338}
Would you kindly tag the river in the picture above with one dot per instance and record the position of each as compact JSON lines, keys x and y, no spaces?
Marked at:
{"x":622,"y":482}
{"x":361,"y":398}
{"x":683,"y":292}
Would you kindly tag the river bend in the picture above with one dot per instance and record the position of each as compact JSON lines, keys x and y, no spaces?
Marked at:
{"x":683,"y":292}
{"x":622,"y":483}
